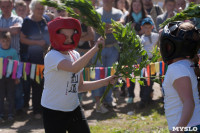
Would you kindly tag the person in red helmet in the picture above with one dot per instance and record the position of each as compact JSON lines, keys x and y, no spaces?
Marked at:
{"x":64,"y":79}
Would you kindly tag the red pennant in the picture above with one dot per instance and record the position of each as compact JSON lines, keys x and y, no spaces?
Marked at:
{"x":128,"y":82}
{"x":102,"y":73}
{"x":148,"y":75}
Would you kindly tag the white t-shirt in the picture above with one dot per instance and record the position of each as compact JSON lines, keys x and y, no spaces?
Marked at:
{"x":149,"y":45}
{"x":172,"y":102}
{"x":60,"y":87}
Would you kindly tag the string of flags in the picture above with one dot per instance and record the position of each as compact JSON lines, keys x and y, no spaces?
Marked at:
{"x":17,"y":69}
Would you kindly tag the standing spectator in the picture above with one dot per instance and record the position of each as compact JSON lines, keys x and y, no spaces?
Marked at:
{"x":170,"y":7}
{"x":180,"y":5}
{"x":152,"y":10}
{"x":149,"y":39}
{"x":109,"y":53}
{"x":20,"y":8}
{"x":7,"y":84}
{"x":136,"y":15}
{"x":10,"y":22}
{"x":122,"y":5}
{"x":34,"y":35}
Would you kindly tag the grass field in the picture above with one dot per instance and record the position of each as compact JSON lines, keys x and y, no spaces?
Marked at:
{"x":150,"y":119}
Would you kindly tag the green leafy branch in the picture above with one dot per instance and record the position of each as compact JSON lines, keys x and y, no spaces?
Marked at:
{"x":192,"y":11}
{"x":131,"y":52}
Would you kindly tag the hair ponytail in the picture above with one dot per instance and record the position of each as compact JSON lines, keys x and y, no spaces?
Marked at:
{"x":48,"y":49}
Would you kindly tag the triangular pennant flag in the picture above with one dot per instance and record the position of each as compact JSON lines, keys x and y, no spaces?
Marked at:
{"x":84,"y":74}
{"x":14,"y":72}
{"x":37,"y":78}
{"x":166,"y":66}
{"x":109,"y":71}
{"x":41,"y":69}
{"x":161,"y":68}
{"x":102,"y":73}
{"x":28,"y":68}
{"x":153,"y":70}
{"x":92,"y":73}
{"x":20,"y":70}
{"x":106,"y":71}
{"x":24,"y":72}
{"x":112,"y":71}
{"x":142,"y":73}
{"x":148,"y":77}
{"x":97,"y":73}
{"x":128,"y":82}
{"x":10,"y":68}
{"x":5,"y":63}
{"x":1,"y":68}
{"x":33,"y":68}
{"x":157,"y":66}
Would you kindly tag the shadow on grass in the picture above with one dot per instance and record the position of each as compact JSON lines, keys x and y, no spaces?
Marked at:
{"x":154,"y":106}
{"x":28,"y":123}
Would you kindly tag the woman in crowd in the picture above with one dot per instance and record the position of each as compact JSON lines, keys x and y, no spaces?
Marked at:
{"x":136,"y":14}
{"x":123,"y":5}
{"x":35,"y":40}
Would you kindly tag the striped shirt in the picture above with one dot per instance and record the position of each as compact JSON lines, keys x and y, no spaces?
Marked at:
{"x":6,"y":23}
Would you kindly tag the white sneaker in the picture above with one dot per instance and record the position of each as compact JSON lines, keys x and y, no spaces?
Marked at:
{"x":101,"y":109}
{"x":112,"y":104}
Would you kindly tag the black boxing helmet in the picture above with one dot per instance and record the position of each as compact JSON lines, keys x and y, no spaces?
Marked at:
{"x":176,"y":42}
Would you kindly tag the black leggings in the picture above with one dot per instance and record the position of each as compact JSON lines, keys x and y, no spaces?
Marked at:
{"x":60,"y":122}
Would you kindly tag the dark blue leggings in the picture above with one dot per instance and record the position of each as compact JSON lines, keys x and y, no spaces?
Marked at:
{"x":60,"y":122}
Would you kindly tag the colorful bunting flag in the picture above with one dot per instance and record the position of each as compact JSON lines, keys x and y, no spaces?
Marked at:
{"x":1,"y":68}
{"x":14,"y":72}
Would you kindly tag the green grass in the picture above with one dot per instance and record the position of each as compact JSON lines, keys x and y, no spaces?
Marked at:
{"x":148,"y":120}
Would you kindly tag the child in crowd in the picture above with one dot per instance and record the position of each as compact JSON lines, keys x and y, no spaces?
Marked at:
{"x":179,"y":44}
{"x":20,"y":8}
{"x":149,"y":39}
{"x":7,"y":84}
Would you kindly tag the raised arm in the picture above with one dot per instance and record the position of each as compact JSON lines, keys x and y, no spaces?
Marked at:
{"x":82,"y":61}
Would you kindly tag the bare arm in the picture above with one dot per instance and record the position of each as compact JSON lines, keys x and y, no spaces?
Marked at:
{"x":76,"y":66}
{"x":92,"y":85}
{"x":25,"y":40}
{"x":184,"y":88}
{"x":14,"y":29}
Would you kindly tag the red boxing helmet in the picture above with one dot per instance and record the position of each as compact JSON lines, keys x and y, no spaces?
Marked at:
{"x":57,"y":40}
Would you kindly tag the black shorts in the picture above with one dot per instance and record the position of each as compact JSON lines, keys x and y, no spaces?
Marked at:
{"x":60,"y":122}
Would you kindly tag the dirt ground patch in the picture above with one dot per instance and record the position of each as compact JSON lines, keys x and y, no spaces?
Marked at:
{"x":27,"y":124}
